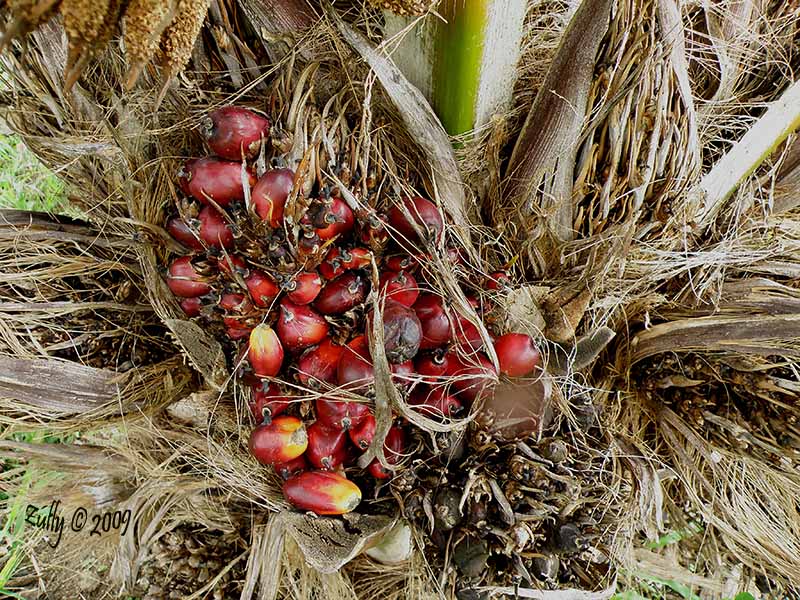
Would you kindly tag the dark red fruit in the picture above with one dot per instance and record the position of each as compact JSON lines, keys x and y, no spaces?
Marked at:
{"x":235,"y":133}
{"x":304,"y":288}
{"x":403,"y":373}
{"x":342,"y":294}
{"x":423,"y":213}
{"x":498,"y":281}
{"x":402,"y":332}
{"x":373,"y":230}
{"x":220,"y":180}
{"x":333,"y":264}
{"x":237,"y":304}
{"x":339,"y":219}
{"x":393,"y":448}
{"x":294,"y":467}
{"x":466,"y":334}
{"x":362,"y":434}
{"x":184,"y":280}
{"x":474,"y":377}
{"x":401,"y":262}
{"x":517,"y":354}
{"x":319,"y":364}
{"x":236,"y":330}
{"x":433,"y":319}
{"x":279,"y":442}
{"x":300,"y":326}
{"x":355,"y":367}
{"x":214,"y":230}
{"x":322,"y":492}
{"x":230,"y":263}
{"x":263,"y":290}
{"x":265,"y":351}
{"x":267,"y":402}
{"x":180,"y":230}
{"x":270,"y":194}
{"x":434,"y":366}
{"x":192,"y":306}
{"x":357,"y":258}
{"x":327,"y":447}
{"x":337,"y":414}
{"x":400,"y":287}
{"x":435,"y":402}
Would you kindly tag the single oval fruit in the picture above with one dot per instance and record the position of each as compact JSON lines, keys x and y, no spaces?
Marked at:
{"x":279,"y":442}
{"x":435,"y":402}
{"x":234,"y":133}
{"x":333,"y":264}
{"x":433,"y":366}
{"x":319,"y":364}
{"x":403,"y":373}
{"x":337,"y":414}
{"x":327,"y":446}
{"x":402,"y":332}
{"x":184,"y":280}
{"x":466,"y":334}
{"x":231,"y":263}
{"x":220,"y":180}
{"x":181,"y":231}
{"x":214,"y":230}
{"x":473,"y":378}
{"x":423,"y":213}
{"x":435,"y":324}
{"x":338,"y":219}
{"x":362,"y":434}
{"x":291,"y":468}
{"x":270,"y":193}
{"x":267,"y":402}
{"x":401,"y":262}
{"x":300,"y":326}
{"x":322,"y":492}
{"x":192,"y":306}
{"x":342,"y":294}
{"x":517,"y":354}
{"x":393,"y":448}
{"x":265,"y":351}
{"x":400,"y":287}
{"x":304,"y":287}
{"x":263,"y":290}
{"x":237,"y":304}
{"x":357,"y":258}
{"x":355,"y":370}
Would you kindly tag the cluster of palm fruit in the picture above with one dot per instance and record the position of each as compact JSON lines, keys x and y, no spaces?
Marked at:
{"x":284,"y":279}
{"x":152,"y":29}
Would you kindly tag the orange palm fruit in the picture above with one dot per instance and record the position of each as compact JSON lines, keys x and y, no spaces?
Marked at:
{"x":322,"y":492}
{"x":281,"y":441}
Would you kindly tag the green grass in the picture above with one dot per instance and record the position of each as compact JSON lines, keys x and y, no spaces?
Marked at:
{"x":25,"y":183}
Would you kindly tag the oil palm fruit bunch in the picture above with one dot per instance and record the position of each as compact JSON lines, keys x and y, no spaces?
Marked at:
{"x":152,"y":29}
{"x":289,"y":275}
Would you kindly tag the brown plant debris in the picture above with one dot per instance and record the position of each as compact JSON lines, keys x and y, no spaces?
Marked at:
{"x":404,"y":7}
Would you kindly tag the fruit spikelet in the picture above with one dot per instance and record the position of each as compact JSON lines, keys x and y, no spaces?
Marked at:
{"x":404,"y":7}
{"x":27,"y":15}
{"x":83,"y":22}
{"x":145,"y":20}
{"x":178,"y":39}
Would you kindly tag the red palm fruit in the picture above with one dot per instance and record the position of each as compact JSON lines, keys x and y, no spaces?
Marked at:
{"x":333,"y":264}
{"x":270,"y":194}
{"x":291,"y":468}
{"x":267,"y":402}
{"x":322,"y":492}
{"x":454,"y":256}
{"x":300,"y":326}
{"x":433,"y":319}
{"x":336,"y":414}
{"x":192,"y":306}
{"x":319,"y":364}
{"x":263,"y":290}
{"x":339,"y":218}
{"x":230,"y":263}
{"x":401,"y":262}
{"x":265,"y":351}
{"x":327,"y":447}
{"x":214,"y":230}
{"x":403,"y":373}
{"x":423,"y":213}
{"x":435,"y":402}
{"x":393,"y":448}
{"x":279,"y":442}
{"x":498,"y":280}
{"x":237,"y":331}
{"x":180,"y":230}
{"x":184,"y":280}
{"x":473,"y":378}
{"x":220,"y":180}
{"x":235,"y":303}
{"x":517,"y":354}
{"x":433,"y":366}
{"x":355,"y":369}
{"x":362,"y":434}
{"x":466,"y":334}
{"x":357,"y":258}
{"x":342,"y":294}
{"x":234,"y":132}
{"x":305,"y":287}
{"x":372,"y":231}
{"x":402,"y":332}
{"x":400,"y":287}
